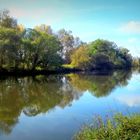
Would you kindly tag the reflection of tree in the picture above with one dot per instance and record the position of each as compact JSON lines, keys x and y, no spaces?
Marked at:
{"x":99,"y":85}
{"x":10,"y":105}
{"x":32,"y":96}
{"x":41,"y":94}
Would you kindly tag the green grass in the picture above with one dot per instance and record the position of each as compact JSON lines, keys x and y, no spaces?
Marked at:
{"x":119,"y":128}
{"x":68,"y":66}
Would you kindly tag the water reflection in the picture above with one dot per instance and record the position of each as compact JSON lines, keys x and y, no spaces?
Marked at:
{"x":99,"y":85}
{"x":41,"y":94}
{"x":32,"y":96}
{"x":130,"y":100}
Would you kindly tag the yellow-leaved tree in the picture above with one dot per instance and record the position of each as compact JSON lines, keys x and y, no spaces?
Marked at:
{"x":80,"y":58}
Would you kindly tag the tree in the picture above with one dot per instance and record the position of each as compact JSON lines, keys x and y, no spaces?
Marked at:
{"x":44,"y":28}
{"x":101,"y":54}
{"x":106,"y":54}
{"x":104,"y":47}
{"x":9,"y":43}
{"x":52,"y":56}
{"x":10,"y":36}
{"x":69,"y":42}
{"x":80,"y":58}
{"x":124,"y":57}
{"x":6,"y":20}
{"x":20,"y":28}
{"x":40,"y":49}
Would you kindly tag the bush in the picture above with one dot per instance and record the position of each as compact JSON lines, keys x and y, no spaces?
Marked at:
{"x":119,"y":128}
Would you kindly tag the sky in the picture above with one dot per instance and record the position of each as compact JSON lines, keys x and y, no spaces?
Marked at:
{"x":114,"y":20}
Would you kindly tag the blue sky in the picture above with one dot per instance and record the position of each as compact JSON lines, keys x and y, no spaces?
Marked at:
{"x":115,"y":20}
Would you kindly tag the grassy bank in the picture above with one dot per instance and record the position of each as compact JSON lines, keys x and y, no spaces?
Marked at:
{"x":119,"y":128}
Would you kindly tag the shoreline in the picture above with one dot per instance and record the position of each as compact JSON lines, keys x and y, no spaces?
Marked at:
{"x":21,"y":72}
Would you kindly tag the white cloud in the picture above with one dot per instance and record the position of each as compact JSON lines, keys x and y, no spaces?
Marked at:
{"x":131,"y":43}
{"x":130,"y":100}
{"x":44,"y":15}
{"x":131,"y":27}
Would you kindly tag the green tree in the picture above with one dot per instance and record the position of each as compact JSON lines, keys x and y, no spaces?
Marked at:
{"x":9,"y":43}
{"x":102,"y":53}
{"x":44,"y":28}
{"x":6,"y":20}
{"x":106,"y":54}
{"x":41,"y":49}
{"x":124,"y":57}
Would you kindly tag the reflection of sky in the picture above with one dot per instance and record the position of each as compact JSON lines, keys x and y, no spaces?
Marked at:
{"x":62,"y":123}
{"x":130,"y":100}
{"x":129,"y":95}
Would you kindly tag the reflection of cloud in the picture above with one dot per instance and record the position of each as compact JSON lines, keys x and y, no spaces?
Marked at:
{"x":132,"y":40}
{"x":130,"y":100}
{"x":131,"y":27}
{"x":132,"y":88}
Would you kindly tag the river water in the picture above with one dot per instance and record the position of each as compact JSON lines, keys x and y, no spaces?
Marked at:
{"x":55,"y":107}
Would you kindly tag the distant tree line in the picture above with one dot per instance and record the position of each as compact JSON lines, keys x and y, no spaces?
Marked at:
{"x":101,"y":54}
{"x":42,"y":48}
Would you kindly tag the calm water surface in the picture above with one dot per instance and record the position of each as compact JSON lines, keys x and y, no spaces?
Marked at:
{"x":55,"y":107}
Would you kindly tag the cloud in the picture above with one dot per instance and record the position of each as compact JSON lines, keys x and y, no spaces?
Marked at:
{"x":44,"y":15}
{"x":131,"y":27}
{"x":130,"y":100}
{"x":18,"y":13}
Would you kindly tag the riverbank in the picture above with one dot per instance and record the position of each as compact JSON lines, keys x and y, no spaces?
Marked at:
{"x":23,"y":72}
{"x":62,"y":70}
{"x":119,"y":128}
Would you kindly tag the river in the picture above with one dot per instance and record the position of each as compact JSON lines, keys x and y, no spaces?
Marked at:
{"x":55,"y":107}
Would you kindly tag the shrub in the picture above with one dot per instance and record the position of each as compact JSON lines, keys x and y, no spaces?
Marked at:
{"x":118,"y":128}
